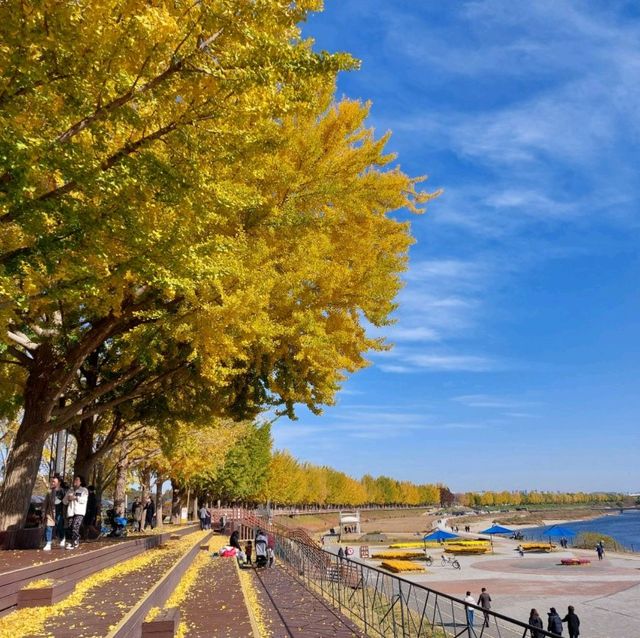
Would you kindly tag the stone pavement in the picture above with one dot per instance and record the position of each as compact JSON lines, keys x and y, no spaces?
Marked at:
{"x":606,"y":594}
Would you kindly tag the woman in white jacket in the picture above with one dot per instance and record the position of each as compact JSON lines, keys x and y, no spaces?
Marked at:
{"x":76,"y":501}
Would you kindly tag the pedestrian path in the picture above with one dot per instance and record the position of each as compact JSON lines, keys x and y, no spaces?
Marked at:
{"x":214,"y":605}
{"x":292,"y":611}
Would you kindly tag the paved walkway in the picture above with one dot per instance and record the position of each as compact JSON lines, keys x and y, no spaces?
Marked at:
{"x":294,"y":612}
{"x":214,"y":604}
{"x":604,"y":593}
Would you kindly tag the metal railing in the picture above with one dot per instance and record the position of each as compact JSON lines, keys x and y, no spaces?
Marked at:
{"x":387,"y":606}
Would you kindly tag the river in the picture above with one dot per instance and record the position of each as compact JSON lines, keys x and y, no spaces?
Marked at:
{"x":625,"y":528}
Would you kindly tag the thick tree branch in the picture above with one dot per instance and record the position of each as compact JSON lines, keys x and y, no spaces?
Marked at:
{"x":22,"y":340}
{"x":23,"y":359}
{"x":96,"y":393}
{"x":100,"y":331}
{"x":140,"y":390}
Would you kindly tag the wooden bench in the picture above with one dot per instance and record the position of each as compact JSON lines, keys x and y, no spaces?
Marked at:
{"x":164,"y":625}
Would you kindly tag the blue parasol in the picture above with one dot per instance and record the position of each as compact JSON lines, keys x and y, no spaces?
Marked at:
{"x":558,"y":531}
{"x":496,"y":529}
{"x":439,"y":535}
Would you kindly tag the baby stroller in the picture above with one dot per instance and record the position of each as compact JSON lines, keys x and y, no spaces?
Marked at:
{"x":118,"y":524}
{"x":261,"y":549}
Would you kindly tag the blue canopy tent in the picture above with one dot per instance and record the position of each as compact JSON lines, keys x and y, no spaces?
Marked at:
{"x":558,"y":531}
{"x":439,"y":535}
{"x":496,"y":529}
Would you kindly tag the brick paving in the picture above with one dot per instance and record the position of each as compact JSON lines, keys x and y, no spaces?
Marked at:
{"x":214,"y":605}
{"x":292,"y":611}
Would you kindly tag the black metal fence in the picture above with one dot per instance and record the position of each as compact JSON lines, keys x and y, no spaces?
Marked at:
{"x":388,"y":606}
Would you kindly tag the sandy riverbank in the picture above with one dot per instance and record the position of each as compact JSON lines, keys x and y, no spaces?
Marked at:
{"x":553,"y":517}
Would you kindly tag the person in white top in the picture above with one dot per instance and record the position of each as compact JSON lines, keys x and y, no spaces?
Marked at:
{"x":471,"y":601}
{"x":76,"y":501}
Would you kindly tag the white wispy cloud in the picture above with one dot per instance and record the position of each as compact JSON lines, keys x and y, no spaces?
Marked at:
{"x":373,"y":422}
{"x":491,"y":401}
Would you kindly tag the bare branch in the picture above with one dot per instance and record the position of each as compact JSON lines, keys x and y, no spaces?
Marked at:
{"x":205,"y":43}
{"x":22,"y":340}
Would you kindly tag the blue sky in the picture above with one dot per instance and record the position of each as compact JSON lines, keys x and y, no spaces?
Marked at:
{"x":516,"y":359}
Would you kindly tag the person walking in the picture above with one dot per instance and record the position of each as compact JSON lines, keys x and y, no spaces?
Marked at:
{"x":202,"y":514}
{"x":76,"y":501}
{"x":53,"y":513}
{"x":554,"y":622}
{"x":270,"y":556}
{"x":149,"y":514}
{"x":535,"y":621}
{"x":573,"y":622}
{"x":469,"y":600}
{"x":484,"y":600}
{"x":600,"y":550}
{"x":136,"y":514}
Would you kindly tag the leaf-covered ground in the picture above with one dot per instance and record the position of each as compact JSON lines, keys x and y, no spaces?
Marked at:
{"x":100,"y":601}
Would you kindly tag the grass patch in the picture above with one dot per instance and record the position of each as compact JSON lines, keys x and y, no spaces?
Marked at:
{"x":588,"y":540}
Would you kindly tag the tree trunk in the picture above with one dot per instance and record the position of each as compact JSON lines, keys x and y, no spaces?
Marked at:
{"x":119,"y":494}
{"x":195,"y":508}
{"x":145,"y":483}
{"x":176,"y":502}
{"x":85,"y":459}
{"x":21,"y":474}
{"x":159,"y":482}
{"x":23,"y":463}
{"x":99,"y":482}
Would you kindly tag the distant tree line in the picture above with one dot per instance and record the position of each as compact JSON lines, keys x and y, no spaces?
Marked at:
{"x":534,"y":497}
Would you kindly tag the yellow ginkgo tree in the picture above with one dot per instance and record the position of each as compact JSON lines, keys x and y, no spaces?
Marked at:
{"x":181,"y":199}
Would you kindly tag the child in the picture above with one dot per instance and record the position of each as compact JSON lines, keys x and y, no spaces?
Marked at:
{"x":248,"y":548}
{"x":270,"y":556}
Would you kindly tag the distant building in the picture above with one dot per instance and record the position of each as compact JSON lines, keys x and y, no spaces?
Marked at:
{"x":350,"y":522}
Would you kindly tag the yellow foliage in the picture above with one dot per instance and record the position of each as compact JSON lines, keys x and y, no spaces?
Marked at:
{"x":399,"y":555}
{"x":30,"y":621}
{"x":399,"y":566}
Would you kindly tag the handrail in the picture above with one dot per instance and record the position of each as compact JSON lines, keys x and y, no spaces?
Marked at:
{"x":387,"y":605}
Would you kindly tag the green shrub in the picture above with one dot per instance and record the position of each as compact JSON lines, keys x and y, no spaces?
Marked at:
{"x":588,"y":540}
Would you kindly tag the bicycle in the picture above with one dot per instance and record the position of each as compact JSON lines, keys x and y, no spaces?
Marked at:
{"x":428,"y":560}
{"x":449,"y":562}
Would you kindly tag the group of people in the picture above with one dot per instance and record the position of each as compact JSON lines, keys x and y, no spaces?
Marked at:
{"x":554,"y":622}
{"x":143,"y":514}
{"x":484,"y":601}
{"x":204,"y":514}
{"x":265,"y":556}
{"x":66,"y":510}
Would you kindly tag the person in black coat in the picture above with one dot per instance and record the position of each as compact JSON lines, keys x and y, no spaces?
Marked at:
{"x":234,"y":539}
{"x":536,"y":621}
{"x":573,"y":622}
{"x":149,"y":514}
{"x":554,"y":624}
